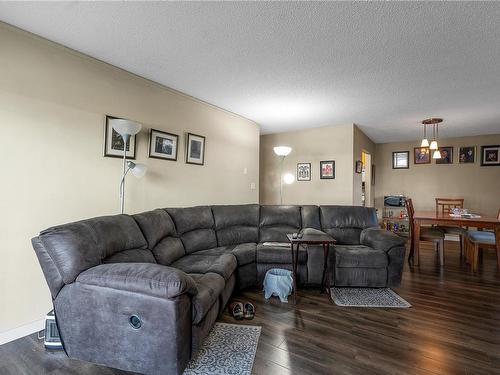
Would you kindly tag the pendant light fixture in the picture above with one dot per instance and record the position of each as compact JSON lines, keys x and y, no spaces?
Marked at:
{"x":425,"y":141}
{"x":435,"y":134}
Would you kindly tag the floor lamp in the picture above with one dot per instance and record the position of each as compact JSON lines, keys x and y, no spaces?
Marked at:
{"x":282,"y":152}
{"x":126,"y":129}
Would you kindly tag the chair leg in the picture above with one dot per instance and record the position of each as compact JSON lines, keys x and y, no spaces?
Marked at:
{"x":441,"y":252}
{"x":461,"y":238}
{"x":475,"y":257}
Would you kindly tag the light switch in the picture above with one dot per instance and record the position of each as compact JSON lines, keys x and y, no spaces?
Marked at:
{"x":252,"y":186}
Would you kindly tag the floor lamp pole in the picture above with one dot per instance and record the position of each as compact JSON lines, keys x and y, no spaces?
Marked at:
{"x":281,"y":179}
{"x":126,"y":138}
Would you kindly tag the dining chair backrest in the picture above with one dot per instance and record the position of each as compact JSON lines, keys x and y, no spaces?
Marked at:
{"x":410,"y":211}
{"x":446,"y":205}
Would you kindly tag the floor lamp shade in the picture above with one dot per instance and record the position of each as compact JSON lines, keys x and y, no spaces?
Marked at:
{"x":125,"y":127}
{"x":282,"y":150}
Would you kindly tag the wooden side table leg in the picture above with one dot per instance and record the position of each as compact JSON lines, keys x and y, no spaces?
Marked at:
{"x":294,"y":273}
{"x":497,"y":239}
{"x":325,"y":283}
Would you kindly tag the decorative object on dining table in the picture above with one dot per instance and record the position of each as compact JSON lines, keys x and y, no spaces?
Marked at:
{"x":359,"y":166}
{"x":303,"y":171}
{"x":163,"y":145}
{"x":400,"y":159}
{"x":467,"y":154}
{"x":490,"y":155}
{"x":421,"y":155}
{"x":446,"y":155}
{"x":195,"y":149}
{"x":113,"y":141}
{"x":327,"y":169}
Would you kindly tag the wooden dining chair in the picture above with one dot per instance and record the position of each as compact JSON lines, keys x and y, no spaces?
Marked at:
{"x":476,"y":240}
{"x":427,"y":234}
{"x":445,"y":206}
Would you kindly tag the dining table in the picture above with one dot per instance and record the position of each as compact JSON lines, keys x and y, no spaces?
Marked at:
{"x":478,"y":221}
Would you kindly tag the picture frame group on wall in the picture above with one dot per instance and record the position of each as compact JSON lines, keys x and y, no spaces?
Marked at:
{"x":400,"y":160}
{"x":303,"y":171}
{"x":113,"y":142}
{"x":195,"y":149}
{"x":163,"y":145}
{"x":421,"y":155}
{"x":467,"y":154}
{"x":490,"y":155}
{"x":327,"y":169}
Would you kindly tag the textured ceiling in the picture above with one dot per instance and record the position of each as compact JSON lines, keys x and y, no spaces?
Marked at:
{"x":293,"y":65}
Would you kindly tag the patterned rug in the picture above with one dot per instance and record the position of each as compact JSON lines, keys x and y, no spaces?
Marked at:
{"x":228,"y":349}
{"x":368,"y":297}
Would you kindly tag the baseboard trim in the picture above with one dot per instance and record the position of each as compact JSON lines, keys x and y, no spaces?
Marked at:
{"x":22,"y":331}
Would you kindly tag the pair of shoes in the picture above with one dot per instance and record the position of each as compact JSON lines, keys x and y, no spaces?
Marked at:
{"x":241,"y":311}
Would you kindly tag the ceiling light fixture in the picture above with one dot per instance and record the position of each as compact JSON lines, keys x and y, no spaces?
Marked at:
{"x":435,"y":133}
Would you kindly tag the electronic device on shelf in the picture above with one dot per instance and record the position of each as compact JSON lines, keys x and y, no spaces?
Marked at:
{"x":394,"y":200}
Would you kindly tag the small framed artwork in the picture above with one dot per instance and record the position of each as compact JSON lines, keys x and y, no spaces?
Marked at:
{"x":113,"y":142}
{"x":446,"y":155}
{"x":490,"y":155}
{"x":327,"y":169}
{"x":163,"y":145}
{"x":359,"y":166}
{"x":421,"y":155}
{"x":467,"y":154}
{"x":400,"y":159}
{"x":303,"y":171}
{"x":195,"y":149}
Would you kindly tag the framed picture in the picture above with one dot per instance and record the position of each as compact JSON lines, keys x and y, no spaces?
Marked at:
{"x":163,"y":145}
{"x":490,"y":155}
{"x":400,"y":159}
{"x":467,"y":154}
{"x":359,"y":166}
{"x":421,"y":155}
{"x":195,"y":149}
{"x":446,"y":155}
{"x":113,"y":142}
{"x":303,"y":171}
{"x":327,"y":169}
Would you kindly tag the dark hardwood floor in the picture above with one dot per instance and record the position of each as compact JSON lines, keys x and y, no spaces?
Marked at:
{"x":452,"y":328}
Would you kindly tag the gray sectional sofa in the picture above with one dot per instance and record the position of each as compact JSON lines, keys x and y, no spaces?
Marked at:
{"x":141,"y":292}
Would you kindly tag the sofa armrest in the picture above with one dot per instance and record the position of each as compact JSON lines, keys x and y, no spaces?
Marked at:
{"x":144,"y":278}
{"x":381,"y":239}
{"x":312,"y":231}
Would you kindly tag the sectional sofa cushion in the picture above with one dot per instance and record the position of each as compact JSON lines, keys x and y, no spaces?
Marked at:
{"x":345,"y":223}
{"x":278,"y":254}
{"x":244,"y":253}
{"x":78,"y":246}
{"x":209,"y":286}
{"x":359,"y":256}
{"x":223,"y":265}
{"x":310,"y":217}
{"x":277,"y":221}
{"x":236,"y":224}
{"x":131,"y":256}
{"x":195,"y":226}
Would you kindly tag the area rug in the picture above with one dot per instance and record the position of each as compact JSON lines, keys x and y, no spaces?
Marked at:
{"x":228,"y":349}
{"x":368,"y":297}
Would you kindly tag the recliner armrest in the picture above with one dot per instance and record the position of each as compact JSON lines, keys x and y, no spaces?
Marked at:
{"x":381,"y":239}
{"x":144,"y":278}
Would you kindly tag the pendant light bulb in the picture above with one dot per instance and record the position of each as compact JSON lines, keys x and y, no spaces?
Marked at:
{"x":436,"y":154}
{"x":433,"y":146}
{"x":425,"y":143}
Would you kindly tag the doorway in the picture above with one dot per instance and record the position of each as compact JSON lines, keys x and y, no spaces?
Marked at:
{"x":366,"y":179}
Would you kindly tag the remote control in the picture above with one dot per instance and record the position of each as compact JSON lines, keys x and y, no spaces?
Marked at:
{"x":300,"y":235}
{"x":294,"y":235}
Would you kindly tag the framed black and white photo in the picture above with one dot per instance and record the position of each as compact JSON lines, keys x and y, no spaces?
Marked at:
{"x":303,"y":171}
{"x":195,"y":149}
{"x":163,"y":145}
{"x":467,"y":154}
{"x":359,"y":166}
{"x":400,"y":159}
{"x":327,"y":169}
{"x":490,"y":155}
{"x":113,"y":142}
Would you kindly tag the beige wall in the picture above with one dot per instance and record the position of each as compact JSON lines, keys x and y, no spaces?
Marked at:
{"x":479,"y":186}
{"x":361,"y":143}
{"x":308,"y":146}
{"x":52,"y":106}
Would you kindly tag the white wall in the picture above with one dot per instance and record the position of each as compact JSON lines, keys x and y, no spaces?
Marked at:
{"x":52,"y":107}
